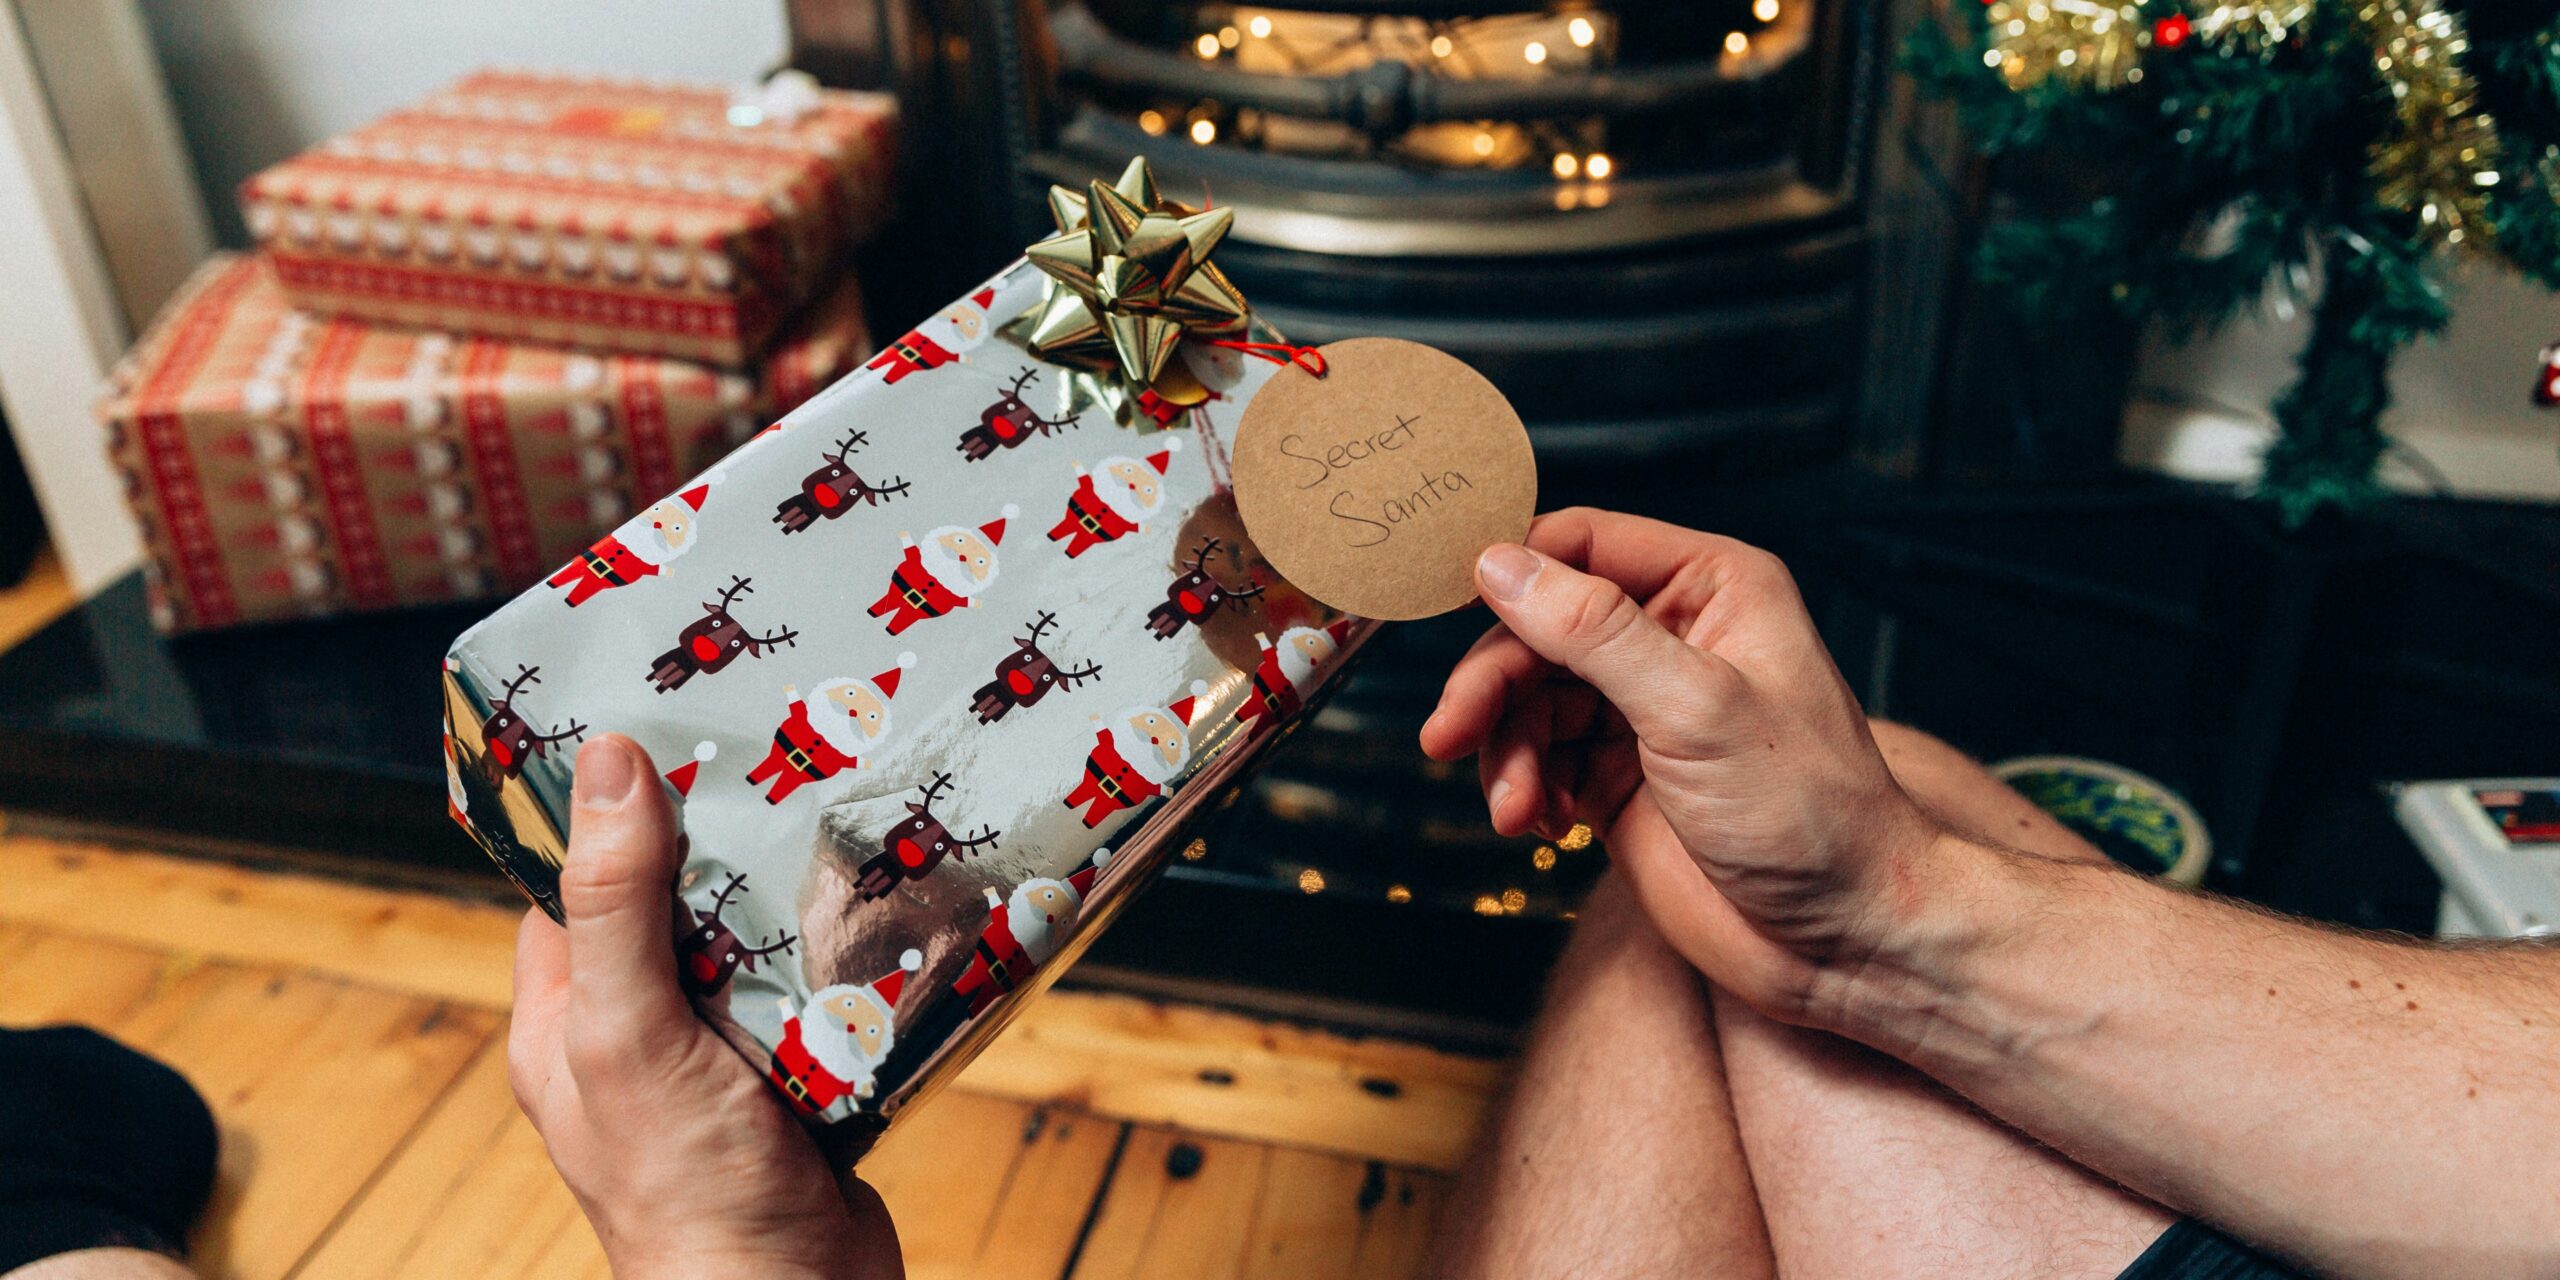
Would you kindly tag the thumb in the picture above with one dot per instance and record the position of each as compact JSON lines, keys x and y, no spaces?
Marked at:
{"x":616,"y":891}
{"x":1590,"y":626}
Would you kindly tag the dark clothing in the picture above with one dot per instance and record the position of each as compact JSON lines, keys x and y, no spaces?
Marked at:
{"x":2190,"y":1250}
{"x":99,"y":1146}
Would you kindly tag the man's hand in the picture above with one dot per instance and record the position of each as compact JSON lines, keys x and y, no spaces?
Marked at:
{"x":675,"y":1148}
{"x":1667,"y":687}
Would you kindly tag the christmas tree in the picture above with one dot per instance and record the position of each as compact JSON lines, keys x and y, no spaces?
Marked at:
{"x":2338,"y":148}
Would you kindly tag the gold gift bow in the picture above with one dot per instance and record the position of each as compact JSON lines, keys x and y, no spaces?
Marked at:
{"x":1129,"y":279}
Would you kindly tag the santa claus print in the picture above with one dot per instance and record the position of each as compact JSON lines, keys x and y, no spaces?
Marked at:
{"x":949,"y":571}
{"x":682,"y":777}
{"x":1195,"y":596}
{"x":1023,"y":932}
{"x":827,"y":733}
{"x":939,"y":341}
{"x":1287,"y":671}
{"x":509,"y":738}
{"x":918,"y":844}
{"x":711,"y":952}
{"x":834,"y":489}
{"x":714,"y":640}
{"x":1114,"y":499}
{"x":1133,"y":756}
{"x":832,"y":1047}
{"x":642,"y":547}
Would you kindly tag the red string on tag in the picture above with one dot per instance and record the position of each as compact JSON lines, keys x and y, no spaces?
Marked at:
{"x":1307,"y":358}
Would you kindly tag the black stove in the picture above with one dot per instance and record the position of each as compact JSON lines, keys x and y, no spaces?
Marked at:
{"x":1649,"y":223}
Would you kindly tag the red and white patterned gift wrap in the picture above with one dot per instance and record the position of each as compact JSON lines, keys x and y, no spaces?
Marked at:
{"x":617,"y":215}
{"x":940,"y":666}
{"x":286,"y":465}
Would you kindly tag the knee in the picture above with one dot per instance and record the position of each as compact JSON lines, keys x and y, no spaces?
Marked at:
{"x":1924,"y":764}
{"x":1613,"y":936}
{"x":1899,"y":742}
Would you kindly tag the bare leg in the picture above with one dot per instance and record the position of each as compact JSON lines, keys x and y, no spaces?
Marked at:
{"x":104,"y":1264}
{"x":1615,"y":1153}
{"x":1866,"y":1168}
{"x":1621,"y":1149}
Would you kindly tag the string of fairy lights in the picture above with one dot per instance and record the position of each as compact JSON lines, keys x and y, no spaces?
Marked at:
{"x":1510,"y":900}
{"x":1520,"y":47}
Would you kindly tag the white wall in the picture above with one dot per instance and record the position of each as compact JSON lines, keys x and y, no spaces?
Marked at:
{"x":2463,"y":402}
{"x":256,"y":80}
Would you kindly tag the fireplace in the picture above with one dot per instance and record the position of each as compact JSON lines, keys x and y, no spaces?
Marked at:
{"x":1648,"y":222}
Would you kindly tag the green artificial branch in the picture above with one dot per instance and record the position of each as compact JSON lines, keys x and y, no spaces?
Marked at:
{"x":2225,"y":170}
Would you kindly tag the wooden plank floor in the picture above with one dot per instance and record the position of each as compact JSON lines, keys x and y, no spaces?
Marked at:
{"x":352,"y":1043}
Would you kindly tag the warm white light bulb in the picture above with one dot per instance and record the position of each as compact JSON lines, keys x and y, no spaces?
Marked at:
{"x":1598,"y":165}
{"x":1483,"y":143}
{"x":1737,"y":43}
{"x":1441,"y":47}
{"x":1566,"y":165}
{"x":1535,"y":53}
{"x":1260,"y":26}
{"x":1229,"y":37}
{"x":1765,"y":10}
{"x":1207,"y":45}
{"x":1204,"y":132}
{"x":1582,"y":33}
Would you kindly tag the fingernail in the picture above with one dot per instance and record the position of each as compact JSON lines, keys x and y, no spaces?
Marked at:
{"x":606,"y":775}
{"x":1506,"y":569}
{"x":1493,"y":800}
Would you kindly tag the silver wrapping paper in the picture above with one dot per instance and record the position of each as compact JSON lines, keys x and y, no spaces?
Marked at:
{"x":939,"y":666}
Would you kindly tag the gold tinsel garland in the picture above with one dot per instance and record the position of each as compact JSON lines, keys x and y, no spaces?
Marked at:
{"x":2440,"y":158}
{"x":2098,"y":44}
{"x":2087,"y":43}
{"x":2256,"y":29}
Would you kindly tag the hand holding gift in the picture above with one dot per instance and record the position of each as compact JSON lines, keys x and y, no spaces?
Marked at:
{"x":640,"y":1103}
{"x":932,"y":751}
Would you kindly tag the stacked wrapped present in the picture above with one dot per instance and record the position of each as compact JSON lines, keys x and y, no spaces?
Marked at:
{"x":484,"y":329}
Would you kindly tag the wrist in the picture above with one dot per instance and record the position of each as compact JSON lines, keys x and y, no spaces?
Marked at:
{"x":702,"y":1264}
{"x":1945,"y":917}
{"x":696,"y":1259}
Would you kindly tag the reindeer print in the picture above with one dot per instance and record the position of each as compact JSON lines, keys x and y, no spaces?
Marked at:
{"x":1026,"y":675}
{"x":710,"y":953}
{"x":833,"y":489}
{"x":1195,"y":596}
{"x":1008,"y":422}
{"x":511,"y":741}
{"x":714,"y":641}
{"x":917,"y":845}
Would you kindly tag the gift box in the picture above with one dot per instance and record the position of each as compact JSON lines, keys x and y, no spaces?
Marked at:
{"x":939,"y":668}
{"x":282,"y":465}
{"x":618,"y":215}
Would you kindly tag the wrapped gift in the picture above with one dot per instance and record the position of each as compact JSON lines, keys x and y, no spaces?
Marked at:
{"x":282,"y":465}
{"x":619,"y":215}
{"x":940,"y":666}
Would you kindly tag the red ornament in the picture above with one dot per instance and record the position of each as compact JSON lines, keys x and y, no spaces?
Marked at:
{"x":2172,"y":31}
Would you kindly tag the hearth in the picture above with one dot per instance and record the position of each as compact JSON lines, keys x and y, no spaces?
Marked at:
{"x":1646,"y":221}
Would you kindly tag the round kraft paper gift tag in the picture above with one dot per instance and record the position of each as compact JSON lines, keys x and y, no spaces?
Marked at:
{"x":1374,"y":486}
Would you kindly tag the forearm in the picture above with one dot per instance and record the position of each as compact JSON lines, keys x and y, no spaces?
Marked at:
{"x":2370,"y":1106}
